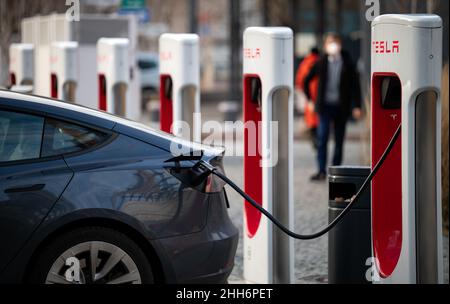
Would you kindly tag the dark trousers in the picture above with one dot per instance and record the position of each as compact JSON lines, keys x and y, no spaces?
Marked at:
{"x":330,"y":115}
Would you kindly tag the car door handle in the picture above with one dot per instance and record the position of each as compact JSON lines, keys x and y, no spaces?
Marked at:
{"x":35,"y":187}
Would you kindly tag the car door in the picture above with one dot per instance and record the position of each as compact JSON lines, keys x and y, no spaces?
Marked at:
{"x":30,"y":184}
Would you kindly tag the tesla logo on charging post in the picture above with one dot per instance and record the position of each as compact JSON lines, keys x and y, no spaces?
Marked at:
{"x":252,"y":53}
{"x":53,"y":59}
{"x":102,"y":58}
{"x":164,"y":56}
{"x":386,"y":47}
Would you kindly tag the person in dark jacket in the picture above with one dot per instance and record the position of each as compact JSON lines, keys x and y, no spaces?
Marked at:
{"x":338,"y":97}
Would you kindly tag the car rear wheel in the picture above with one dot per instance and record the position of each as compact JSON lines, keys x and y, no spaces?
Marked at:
{"x":92,"y":255}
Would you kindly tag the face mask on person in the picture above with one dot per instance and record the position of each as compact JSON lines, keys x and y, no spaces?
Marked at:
{"x":333,"y":48}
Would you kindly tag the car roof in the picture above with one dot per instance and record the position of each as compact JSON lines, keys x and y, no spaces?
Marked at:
{"x":99,"y":119}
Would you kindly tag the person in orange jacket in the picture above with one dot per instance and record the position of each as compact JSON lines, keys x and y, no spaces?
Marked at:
{"x":311,"y":117}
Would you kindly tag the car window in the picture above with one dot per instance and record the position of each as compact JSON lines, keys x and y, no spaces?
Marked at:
{"x":20,"y":136}
{"x":62,"y":137}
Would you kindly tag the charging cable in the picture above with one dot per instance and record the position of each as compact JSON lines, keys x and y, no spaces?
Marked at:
{"x":294,"y":235}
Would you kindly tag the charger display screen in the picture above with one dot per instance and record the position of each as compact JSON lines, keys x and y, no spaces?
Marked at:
{"x":391,"y":92}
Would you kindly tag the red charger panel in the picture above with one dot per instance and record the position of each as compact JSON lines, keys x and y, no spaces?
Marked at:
{"x":102,"y":92}
{"x":166,"y":104}
{"x":387,"y":183}
{"x":252,"y":158}
{"x":12,"y":78}
{"x":53,"y":86}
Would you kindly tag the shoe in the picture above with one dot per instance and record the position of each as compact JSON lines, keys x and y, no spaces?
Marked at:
{"x":319,"y":177}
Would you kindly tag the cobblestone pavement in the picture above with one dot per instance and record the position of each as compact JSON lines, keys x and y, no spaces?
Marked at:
{"x":311,"y":213}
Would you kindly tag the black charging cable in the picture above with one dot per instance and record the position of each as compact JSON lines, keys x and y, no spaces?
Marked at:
{"x":353,"y":200}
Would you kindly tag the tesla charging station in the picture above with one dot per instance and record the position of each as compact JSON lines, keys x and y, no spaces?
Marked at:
{"x":179,"y":84}
{"x":63,"y":69}
{"x":268,"y":96}
{"x":406,"y":192}
{"x":21,"y":64}
{"x":113,"y":74}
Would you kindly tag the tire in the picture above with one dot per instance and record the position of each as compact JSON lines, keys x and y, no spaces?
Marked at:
{"x":118,"y":259}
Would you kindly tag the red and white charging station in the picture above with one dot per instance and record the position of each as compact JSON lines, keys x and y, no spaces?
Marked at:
{"x":406,"y":191}
{"x":113,"y":70}
{"x":21,"y":64}
{"x":268,"y":97}
{"x":64,"y":70}
{"x":180,"y":84}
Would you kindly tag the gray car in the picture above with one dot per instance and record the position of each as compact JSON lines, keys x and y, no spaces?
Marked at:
{"x":88,"y":197}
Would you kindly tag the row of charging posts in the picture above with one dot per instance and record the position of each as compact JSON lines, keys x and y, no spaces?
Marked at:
{"x":112,"y":65}
{"x":179,"y":74}
{"x":179,"y":67}
{"x":63,"y":69}
{"x":406,"y":193}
